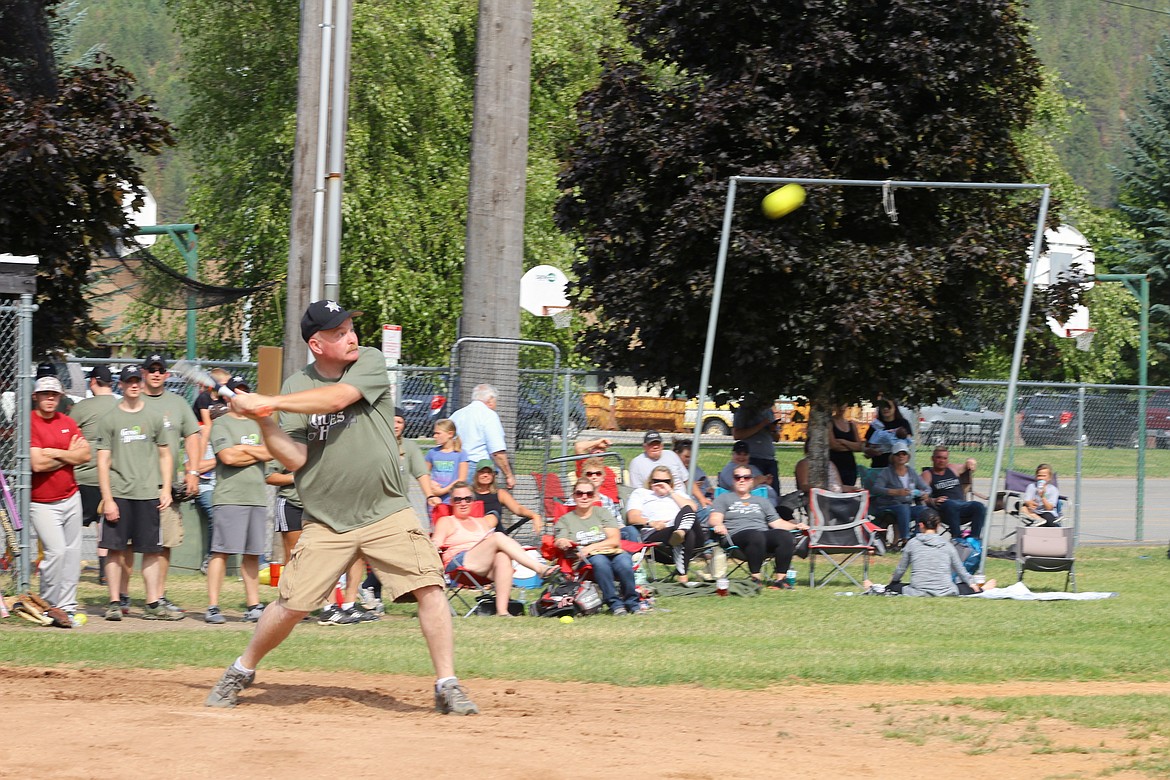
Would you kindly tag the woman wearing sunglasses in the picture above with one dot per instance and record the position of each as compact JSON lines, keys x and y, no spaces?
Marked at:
{"x":751,"y":524}
{"x":592,"y":533}
{"x":497,"y":499}
{"x":472,"y":542}
{"x":662,"y":514}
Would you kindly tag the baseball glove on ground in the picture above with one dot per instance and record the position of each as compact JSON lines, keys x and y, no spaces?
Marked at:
{"x":35,"y":609}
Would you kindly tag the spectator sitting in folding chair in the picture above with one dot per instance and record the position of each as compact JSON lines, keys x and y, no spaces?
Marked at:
{"x":933,"y":563}
{"x":473,"y":544}
{"x":1042,"y":498}
{"x":752,"y":524}
{"x":594,"y":471}
{"x":592,"y":534}
{"x":896,"y":489}
{"x":660,"y":513}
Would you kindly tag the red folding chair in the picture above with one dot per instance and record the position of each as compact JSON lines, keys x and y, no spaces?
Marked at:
{"x":465,"y":587}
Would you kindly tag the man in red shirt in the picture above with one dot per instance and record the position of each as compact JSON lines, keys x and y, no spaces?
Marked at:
{"x":56,"y":447}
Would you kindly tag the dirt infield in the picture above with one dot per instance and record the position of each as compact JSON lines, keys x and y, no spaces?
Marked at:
{"x":77,"y":723}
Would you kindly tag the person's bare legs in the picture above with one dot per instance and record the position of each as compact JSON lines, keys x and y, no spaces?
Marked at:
{"x":164,"y":568}
{"x":502,"y":573}
{"x":481,"y":558}
{"x":152,"y":576}
{"x":216,"y":568}
{"x":276,"y":623}
{"x":353,"y":579}
{"x":250,"y":572}
{"x":434,"y":617}
{"x":289,"y":539}
{"x":114,"y":573}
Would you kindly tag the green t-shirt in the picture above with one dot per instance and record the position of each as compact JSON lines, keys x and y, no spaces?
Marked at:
{"x":287,"y":492}
{"x":237,"y":485}
{"x":134,"y":440}
{"x":86,"y":414}
{"x":178,"y":423}
{"x":413,"y":462}
{"x":585,"y":530}
{"x":351,"y":476}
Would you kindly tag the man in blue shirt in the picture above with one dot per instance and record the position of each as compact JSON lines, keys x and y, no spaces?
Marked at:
{"x":479,"y":428}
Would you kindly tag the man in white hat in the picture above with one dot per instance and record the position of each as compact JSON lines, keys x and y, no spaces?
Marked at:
{"x":56,"y":446}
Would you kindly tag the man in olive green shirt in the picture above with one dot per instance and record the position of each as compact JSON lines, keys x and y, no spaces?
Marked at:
{"x":240,"y":519}
{"x":134,"y":474}
{"x":182,"y":435}
{"x":336,"y":433}
{"x":86,"y":413}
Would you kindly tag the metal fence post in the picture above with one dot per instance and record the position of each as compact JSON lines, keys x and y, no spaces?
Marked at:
{"x":24,"y":386}
{"x":1080,"y":461}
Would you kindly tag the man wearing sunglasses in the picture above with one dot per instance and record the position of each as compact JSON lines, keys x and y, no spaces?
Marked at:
{"x":183,"y":435}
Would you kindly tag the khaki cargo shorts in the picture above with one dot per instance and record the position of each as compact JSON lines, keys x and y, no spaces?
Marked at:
{"x":397,"y":549}
{"x":171,"y":521}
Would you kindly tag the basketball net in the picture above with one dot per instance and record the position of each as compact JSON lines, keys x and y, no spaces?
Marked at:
{"x":1084,"y":339}
{"x":562,"y":316}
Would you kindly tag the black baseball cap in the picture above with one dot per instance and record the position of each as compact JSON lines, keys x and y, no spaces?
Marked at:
{"x":153,"y":360}
{"x":652,"y":436}
{"x":740,"y":446}
{"x":237,"y":382}
{"x":398,"y":412}
{"x":101,"y":373}
{"x":130,"y":372}
{"x":45,"y":369}
{"x":323,"y":315}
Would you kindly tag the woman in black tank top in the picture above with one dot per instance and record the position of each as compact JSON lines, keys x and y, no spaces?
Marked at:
{"x":844,"y":440}
{"x":497,"y":499}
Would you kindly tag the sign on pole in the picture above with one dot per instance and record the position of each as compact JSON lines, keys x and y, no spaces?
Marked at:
{"x":392,"y":351}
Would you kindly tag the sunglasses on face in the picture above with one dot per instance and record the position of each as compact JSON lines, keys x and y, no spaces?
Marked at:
{"x":594,"y":473}
{"x":462,"y":499}
{"x":584,"y":493}
{"x":739,"y":477}
{"x":662,"y":482}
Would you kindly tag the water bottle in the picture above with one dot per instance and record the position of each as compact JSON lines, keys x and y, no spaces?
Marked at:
{"x":721,"y":586}
{"x":718,"y":563}
{"x":791,"y":577}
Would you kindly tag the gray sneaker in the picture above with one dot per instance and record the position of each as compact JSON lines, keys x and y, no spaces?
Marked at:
{"x":165,"y":602}
{"x":226,"y":692}
{"x":334,"y":615}
{"x":160,"y":612}
{"x":114,"y":611}
{"x":253,"y":615}
{"x":620,"y":611}
{"x":214,"y":616}
{"x":451,"y":699}
{"x":362,"y":614}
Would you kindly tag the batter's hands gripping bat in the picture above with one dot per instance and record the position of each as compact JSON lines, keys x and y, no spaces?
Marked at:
{"x":193,"y":372}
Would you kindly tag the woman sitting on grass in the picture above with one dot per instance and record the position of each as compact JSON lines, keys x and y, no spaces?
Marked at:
{"x":932,"y":561}
{"x":474,"y":544}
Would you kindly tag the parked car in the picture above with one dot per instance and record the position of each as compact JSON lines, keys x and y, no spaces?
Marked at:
{"x":539,"y":412}
{"x":1109,"y":421}
{"x":961,"y":419}
{"x":1158,"y":418}
{"x":423,"y":400}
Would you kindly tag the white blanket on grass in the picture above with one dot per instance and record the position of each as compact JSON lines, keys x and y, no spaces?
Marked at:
{"x":1020,"y":592}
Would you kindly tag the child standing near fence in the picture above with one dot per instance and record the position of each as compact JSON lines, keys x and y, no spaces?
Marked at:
{"x":446,"y":461}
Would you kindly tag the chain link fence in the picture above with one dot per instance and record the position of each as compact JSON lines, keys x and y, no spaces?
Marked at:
{"x":15,"y":406}
{"x":1112,"y":468}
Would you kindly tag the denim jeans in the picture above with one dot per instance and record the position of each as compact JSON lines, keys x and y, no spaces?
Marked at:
{"x":955,"y":513}
{"x":621,"y":566}
{"x":904,"y":514}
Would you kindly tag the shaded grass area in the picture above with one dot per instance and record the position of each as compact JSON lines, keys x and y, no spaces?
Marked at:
{"x":795,"y":637}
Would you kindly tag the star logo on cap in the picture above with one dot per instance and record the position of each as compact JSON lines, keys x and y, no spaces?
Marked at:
{"x":332,"y":306}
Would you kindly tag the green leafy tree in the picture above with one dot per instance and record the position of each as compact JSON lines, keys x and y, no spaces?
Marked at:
{"x":69,"y":149}
{"x":1144,"y":205}
{"x":404,"y":215}
{"x":835,"y":302}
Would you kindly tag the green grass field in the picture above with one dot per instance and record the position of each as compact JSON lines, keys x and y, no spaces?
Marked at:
{"x":777,"y":639}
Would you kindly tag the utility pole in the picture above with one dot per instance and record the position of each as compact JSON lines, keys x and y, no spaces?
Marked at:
{"x":300,"y":248}
{"x":494,"y":251}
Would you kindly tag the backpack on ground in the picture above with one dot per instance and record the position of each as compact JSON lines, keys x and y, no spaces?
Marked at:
{"x":567,"y":598}
{"x":970,"y":552}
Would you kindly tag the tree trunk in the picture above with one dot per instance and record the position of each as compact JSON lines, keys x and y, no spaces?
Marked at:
{"x":495,"y":206}
{"x":820,"y":417}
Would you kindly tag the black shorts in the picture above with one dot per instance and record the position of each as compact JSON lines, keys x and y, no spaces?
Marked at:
{"x":91,"y":496}
{"x":288,"y":515}
{"x":138,"y":526}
